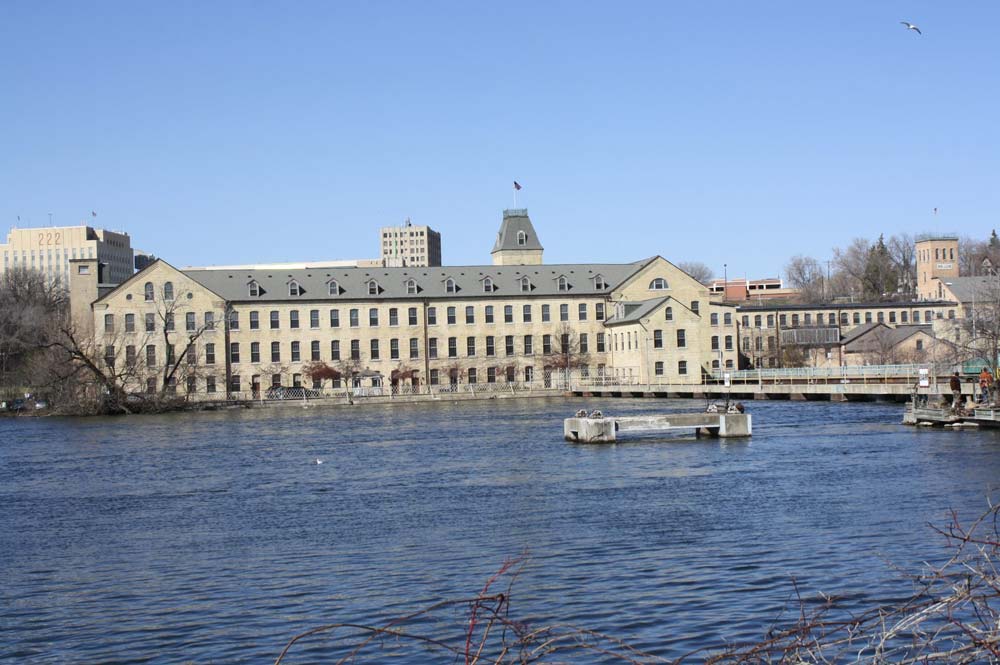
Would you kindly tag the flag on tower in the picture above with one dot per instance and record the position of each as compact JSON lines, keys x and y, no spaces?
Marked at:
{"x":93,"y":213}
{"x":516,"y":186}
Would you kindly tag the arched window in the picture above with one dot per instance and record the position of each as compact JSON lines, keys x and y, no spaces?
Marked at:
{"x":488,"y":285}
{"x":450,"y":286}
{"x":294,"y":289}
{"x":411,"y":287}
{"x":562,"y":283}
{"x":658,"y":284}
{"x":148,"y":288}
{"x":525,"y":284}
{"x":168,"y":290}
{"x":669,"y":314}
{"x":522,"y":238}
{"x":253,"y":288}
{"x":333,"y":288}
{"x":373,"y":288}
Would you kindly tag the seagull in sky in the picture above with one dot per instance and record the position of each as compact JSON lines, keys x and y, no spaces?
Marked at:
{"x":910,"y":26}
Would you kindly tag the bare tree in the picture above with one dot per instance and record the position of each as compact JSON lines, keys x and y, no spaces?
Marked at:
{"x":806,"y":274}
{"x":32,"y":309}
{"x":698,"y":270}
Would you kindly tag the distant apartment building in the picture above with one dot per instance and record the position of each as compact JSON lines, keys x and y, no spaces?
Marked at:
{"x":739,"y":289}
{"x":50,"y":249}
{"x":410,"y":246}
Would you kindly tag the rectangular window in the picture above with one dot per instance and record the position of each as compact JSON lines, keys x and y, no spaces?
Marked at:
{"x":130,"y":355}
{"x":470,"y":346}
{"x":210,"y":354}
{"x":373,"y":316}
{"x":545,"y":314}
{"x":658,"y":368}
{"x":109,"y":323}
{"x":355,"y":349}
{"x":335,"y":349}
{"x":168,"y":322}
{"x":807,"y":319}
{"x":451,"y":316}
{"x":414,"y":347}
{"x":314,"y":318}
{"x":681,"y":338}
{"x":276,"y":352}
{"x":394,"y":349}
{"x":255,"y":352}
{"x":209,"y":320}
{"x":713,"y":319}
{"x":715,"y":342}
{"x":432,"y":317}
{"x":491,"y":349}
{"x":470,"y":314}
{"x":130,"y":322}
{"x":209,"y":384}
{"x":473,"y":375}
{"x":564,"y":312}
{"x":657,"y":339}
{"x":150,"y":322}
{"x":334,"y":318}
{"x":729,"y":342}
{"x":109,"y":356}
{"x":856,"y":318}
{"x":411,"y":315}
{"x":435,"y":377}
{"x":452,"y":347}
{"x":582,"y":311}
{"x":868,"y":317}
{"x":254,"y":320}
{"x":234,"y":352}
{"x":354,"y":317}
{"x":489,"y":314}
{"x":682,"y":367}
{"x":491,"y":375}
{"x":601,"y":343}
{"x":192,"y":384}
{"x":234,"y":385}
{"x":314,"y":350}
{"x":432,"y":348}
{"x":694,"y":306}
{"x":508,"y":345}
{"x":526,"y":313}
{"x":275,"y":319}
{"x":599,"y":311}
{"x":546,"y":344}
{"x":584,"y":343}
{"x":374,"y":349}
{"x":393,"y":316}
{"x":727,"y":319}
{"x":150,"y":355}
{"x":528,"y":350}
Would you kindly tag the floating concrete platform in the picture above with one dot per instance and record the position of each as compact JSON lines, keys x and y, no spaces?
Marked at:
{"x":943,"y":416}
{"x":606,"y":429}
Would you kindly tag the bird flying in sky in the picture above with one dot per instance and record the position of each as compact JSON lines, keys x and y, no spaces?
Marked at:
{"x":910,"y":26}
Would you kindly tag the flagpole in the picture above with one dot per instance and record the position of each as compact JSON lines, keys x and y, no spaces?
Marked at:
{"x":515,"y":197}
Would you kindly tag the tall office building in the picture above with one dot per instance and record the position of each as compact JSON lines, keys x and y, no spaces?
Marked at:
{"x":49,"y":249}
{"x":409,"y":245}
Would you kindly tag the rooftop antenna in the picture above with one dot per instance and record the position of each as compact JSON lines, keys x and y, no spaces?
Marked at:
{"x":50,"y":219}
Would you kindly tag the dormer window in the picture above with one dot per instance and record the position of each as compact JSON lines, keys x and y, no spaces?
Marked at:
{"x":488,"y":286}
{"x":525,"y":284}
{"x":522,"y":238}
{"x":562,"y":283}
{"x":658,"y":284}
{"x":373,"y":287}
{"x":599,"y":283}
{"x":450,"y":286}
{"x":333,"y":288}
{"x":411,"y":287}
{"x":294,"y":289}
{"x":148,"y":291}
{"x":254,"y":289}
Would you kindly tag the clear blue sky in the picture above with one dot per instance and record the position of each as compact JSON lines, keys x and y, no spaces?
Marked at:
{"x":715,"y":131}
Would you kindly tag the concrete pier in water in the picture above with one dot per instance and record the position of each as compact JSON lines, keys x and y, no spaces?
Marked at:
{"x":606,"y":429}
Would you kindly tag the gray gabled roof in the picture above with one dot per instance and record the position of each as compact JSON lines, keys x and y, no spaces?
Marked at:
{"x":967,"y":289}
{"x":636,"y":311}
{"x":232,"y":285}
{"x":881,"y":336}
{"x":514,"y":221}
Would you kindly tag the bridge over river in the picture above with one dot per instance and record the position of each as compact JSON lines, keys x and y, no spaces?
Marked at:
{"x":858,"y":383}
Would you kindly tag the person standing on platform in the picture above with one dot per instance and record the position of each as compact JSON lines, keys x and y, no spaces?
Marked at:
{"x":985,"y":383}
{"x":956,"y":391}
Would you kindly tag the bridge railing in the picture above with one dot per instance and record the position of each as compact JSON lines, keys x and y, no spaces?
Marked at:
{"x":847,"y":374}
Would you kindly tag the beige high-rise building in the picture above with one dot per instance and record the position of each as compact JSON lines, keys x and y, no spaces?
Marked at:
{"x":50,"y":249}
{"x":410,"y":246}
{"x":937,"y":256}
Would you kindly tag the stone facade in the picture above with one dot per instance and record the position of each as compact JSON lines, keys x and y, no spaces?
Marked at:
{"x":937,"y":259}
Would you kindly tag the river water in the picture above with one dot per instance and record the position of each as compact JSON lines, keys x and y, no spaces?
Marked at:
{"x":216,"y":537}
